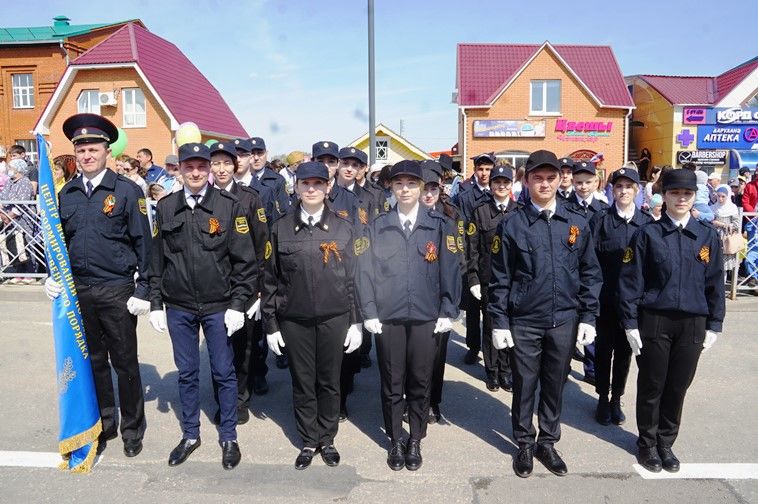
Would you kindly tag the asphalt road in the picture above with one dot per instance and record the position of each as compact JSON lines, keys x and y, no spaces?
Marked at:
{"x":466,"y":459}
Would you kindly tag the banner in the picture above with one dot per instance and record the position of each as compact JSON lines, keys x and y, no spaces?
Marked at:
{"x":78,"y":411}
{"x":485,"y":128}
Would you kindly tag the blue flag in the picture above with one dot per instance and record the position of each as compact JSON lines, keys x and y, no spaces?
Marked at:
{"x":78,"y":410}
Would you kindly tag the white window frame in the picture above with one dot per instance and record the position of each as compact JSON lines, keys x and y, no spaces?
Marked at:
{"x":544,"y":111}
{"x":30,"y":144}
{"x":386,"y":148}
{"x":92,"y":107}
{"x":128,"y":99}
{"x":23,"y":93}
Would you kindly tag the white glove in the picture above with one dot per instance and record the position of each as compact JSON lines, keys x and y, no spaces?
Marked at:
{"x":633,"y":337}
{"x":476,"y":291}
{"x":502,"y":338}
{"x":158,"y":320}
{"x":255,"y":310}
{"x":354,"y":337}
{"x":373,"y":326}
{"x":52,"y":288}
{"x":585,"y":335}
{"x":443,"y":325}
{"x":234,"y":320}
{"x":138,"y":306}
{"x":710,"y":339}
{"x":275,"y":341}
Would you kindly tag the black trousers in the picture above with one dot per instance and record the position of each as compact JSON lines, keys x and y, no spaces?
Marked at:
{"x":540,"y":356}
{"x":111,"y":331}
{"x":315,"y":350}
{"x":671,"y":347}
{"x":405,"y":355}
{"x":473,"y":318}
{"x":438,"y":373}
{"x":613,"y":355}
{"x":351,"y":365}
{"x":496,"y":362}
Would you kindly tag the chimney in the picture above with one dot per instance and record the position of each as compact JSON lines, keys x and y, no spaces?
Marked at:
{"x":60,"y":21}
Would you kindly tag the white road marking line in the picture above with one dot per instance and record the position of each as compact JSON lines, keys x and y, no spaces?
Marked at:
{"x":704,"y":471}
{"x":29,"y":459}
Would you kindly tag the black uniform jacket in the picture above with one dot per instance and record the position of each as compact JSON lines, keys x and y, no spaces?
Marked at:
{"x":107,"y":234}
{"x":479,"y":236}
{"x":543,"y":273}
{"x":276,"y":202}
{"x":252,"y":204}
{"x":415,"y":279}
{"x":310,"y":272}
{"x":203,"y":259}
{"x":668,"y":270}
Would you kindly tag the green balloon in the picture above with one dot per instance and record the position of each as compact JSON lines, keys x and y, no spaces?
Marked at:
{"x":210,"y":142}
{"x":119,"y":146}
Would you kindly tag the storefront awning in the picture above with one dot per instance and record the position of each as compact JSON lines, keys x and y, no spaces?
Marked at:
{"x":743,"y":158}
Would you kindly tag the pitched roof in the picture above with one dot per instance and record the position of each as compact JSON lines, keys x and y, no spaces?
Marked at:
{"x":188,"y":95}
{"x":700,"y":90}
{"x":60,"y":30}
{"x":485,"y":70}
{"x":381,"y":128}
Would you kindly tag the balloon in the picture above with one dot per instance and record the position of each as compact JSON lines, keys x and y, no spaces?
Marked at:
{"x":188,"y":133}
{"x":211,"y":142}
{"x":119,"y":146}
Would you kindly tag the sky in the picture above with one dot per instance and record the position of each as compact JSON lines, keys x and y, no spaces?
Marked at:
{"x":295,"y":71}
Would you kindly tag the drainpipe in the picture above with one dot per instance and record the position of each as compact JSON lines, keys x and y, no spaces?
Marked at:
{"x":627,"y":129}
{"x":64,"y":51}
{"x":464,"y":156}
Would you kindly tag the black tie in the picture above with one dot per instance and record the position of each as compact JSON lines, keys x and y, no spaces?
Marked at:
{"x":407,"y":228}
{"x":89,"y":188}
{"x":584,"y":204}
{"x":310,"y":221}
{"x":196,"y":197}
{"x":679,"y":228}
{"x":502,"y":207}
{"x":546,"y":214}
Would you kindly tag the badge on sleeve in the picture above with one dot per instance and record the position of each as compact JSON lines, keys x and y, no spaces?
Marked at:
{"x":471,"y":229}
{"x":363,"y":216}
{"x":460,"y":227}
{"x":109,"y":202}
{"x":450,"y":243}
{"x":240,"y":224}
{"x":628,"y":255}
{"x":262,"y":215}
{"x":496,"y":243}
{"x":386,"y":206}
{"x":573,"y":235}
{"x":342,"y":213}
{"x":360,"y":246}
{"x":155,"y":229}
{"x":459,"y":242}
{"x":431,"y":250}
{"x":268,"y":250}
{"x":142,"y":206}
{"x":705,"y":254}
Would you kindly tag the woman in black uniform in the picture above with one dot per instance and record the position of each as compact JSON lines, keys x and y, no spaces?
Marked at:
{"x":672,"y":304}
{"x":310,"y":305}
{"x":409,"y":292}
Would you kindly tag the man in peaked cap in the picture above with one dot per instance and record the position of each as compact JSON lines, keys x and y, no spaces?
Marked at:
{"x":260,"y":174}
{"x":565,"y":186}
{"x":343,"y":202}
{"x":104,"y":219}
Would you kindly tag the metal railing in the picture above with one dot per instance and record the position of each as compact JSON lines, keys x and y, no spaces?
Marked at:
{"x":749,"y":254}
{"x":22,"y":250}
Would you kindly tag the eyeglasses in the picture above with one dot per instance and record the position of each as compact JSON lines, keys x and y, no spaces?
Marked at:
{"x":218,"y":164}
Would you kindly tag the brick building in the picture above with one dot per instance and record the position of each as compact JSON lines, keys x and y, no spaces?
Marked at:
{"x":32,"y":61}
{"x":514,"y":99}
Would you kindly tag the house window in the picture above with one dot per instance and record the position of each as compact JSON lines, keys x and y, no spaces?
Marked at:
{"x":23,"y":90}
{"x":134,"y":108}
{"x":31,"y":148}
{"x":382,"y":149}
{"x":88,"y":102}
{"x":545,"y":97}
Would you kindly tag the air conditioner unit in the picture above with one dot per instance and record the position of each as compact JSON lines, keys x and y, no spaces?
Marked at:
{"x":107,"y":99}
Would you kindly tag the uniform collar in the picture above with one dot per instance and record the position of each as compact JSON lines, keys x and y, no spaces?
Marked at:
{"x":323,"y":219}
{"x":246,"y":179}
{"x":533,"y":211}
{"x":206,"y":201}
{"x":671,"y":227}
{"x":101,"y":178}
{"x":412,"y":215}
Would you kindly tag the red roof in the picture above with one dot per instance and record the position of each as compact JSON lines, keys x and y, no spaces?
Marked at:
{"x":484,"y":69}
{"x":186,"y":92}
{"x":683,"y":90}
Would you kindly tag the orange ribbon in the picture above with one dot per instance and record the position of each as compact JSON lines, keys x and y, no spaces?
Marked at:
{"x":573,"y":235}
{"x":214,"y":226}
{"x":108,"y":204}
{"x":705,"y":255}
{"x":326,"y":248}
{"x":431,"y":252}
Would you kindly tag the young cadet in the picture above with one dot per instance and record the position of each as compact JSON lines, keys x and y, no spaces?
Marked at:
{"x":249,"y":352}
{"x":565,"y":186}
{"x":203,"y":269}
{"x":431,"y":197}
{"x":361,"y":178}
{"x":260,"y":175}
{"x":310,"y":307}
{"x":487,"y":217}
{"x":409,"y":292}
{"x":468,"y":201}
{"x":545,"y":280}
{"x":104,"y":219}
{"x":244,"y":178}
{"x":340,"y":200}
{"x":672,"y":305}
{"x":583,"y":201}
{"x":612,"y":230}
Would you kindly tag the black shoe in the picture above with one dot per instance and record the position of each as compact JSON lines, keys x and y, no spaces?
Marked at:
{"x":396,"y":456}
{"x":365,"y":361}
{"x":551,"y":460}
{"x":603,"y":411}
{"x":649,"y":459}
{"x":506,"y":382}
{"x":282,"y":362}
{"x":434,"y":414}
{"x":492,"y":384}
{"x":330,"y":455}
{"x":343,"y":412}
{"x":413,"y":458}
{"x":617,"y":416}
{"x":230,"y":454}
{"x":102,"y":444}
{"x":132,"y":447}
{"x":589,"y":378}
{"x":304,"y":459}
{"x":260,"y":385}
{"x":669,"y":462}
{"x":243,"y":415}
{"x":472,"y":357}
{"x":183,"y":450}
{"x":523,"y":463}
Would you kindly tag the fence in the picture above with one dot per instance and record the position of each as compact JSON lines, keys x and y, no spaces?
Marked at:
{"x":22,"y":250}
{"x":750,"y":224}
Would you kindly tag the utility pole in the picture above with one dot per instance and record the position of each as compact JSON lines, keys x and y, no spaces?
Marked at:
{"x":371,"y":87}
